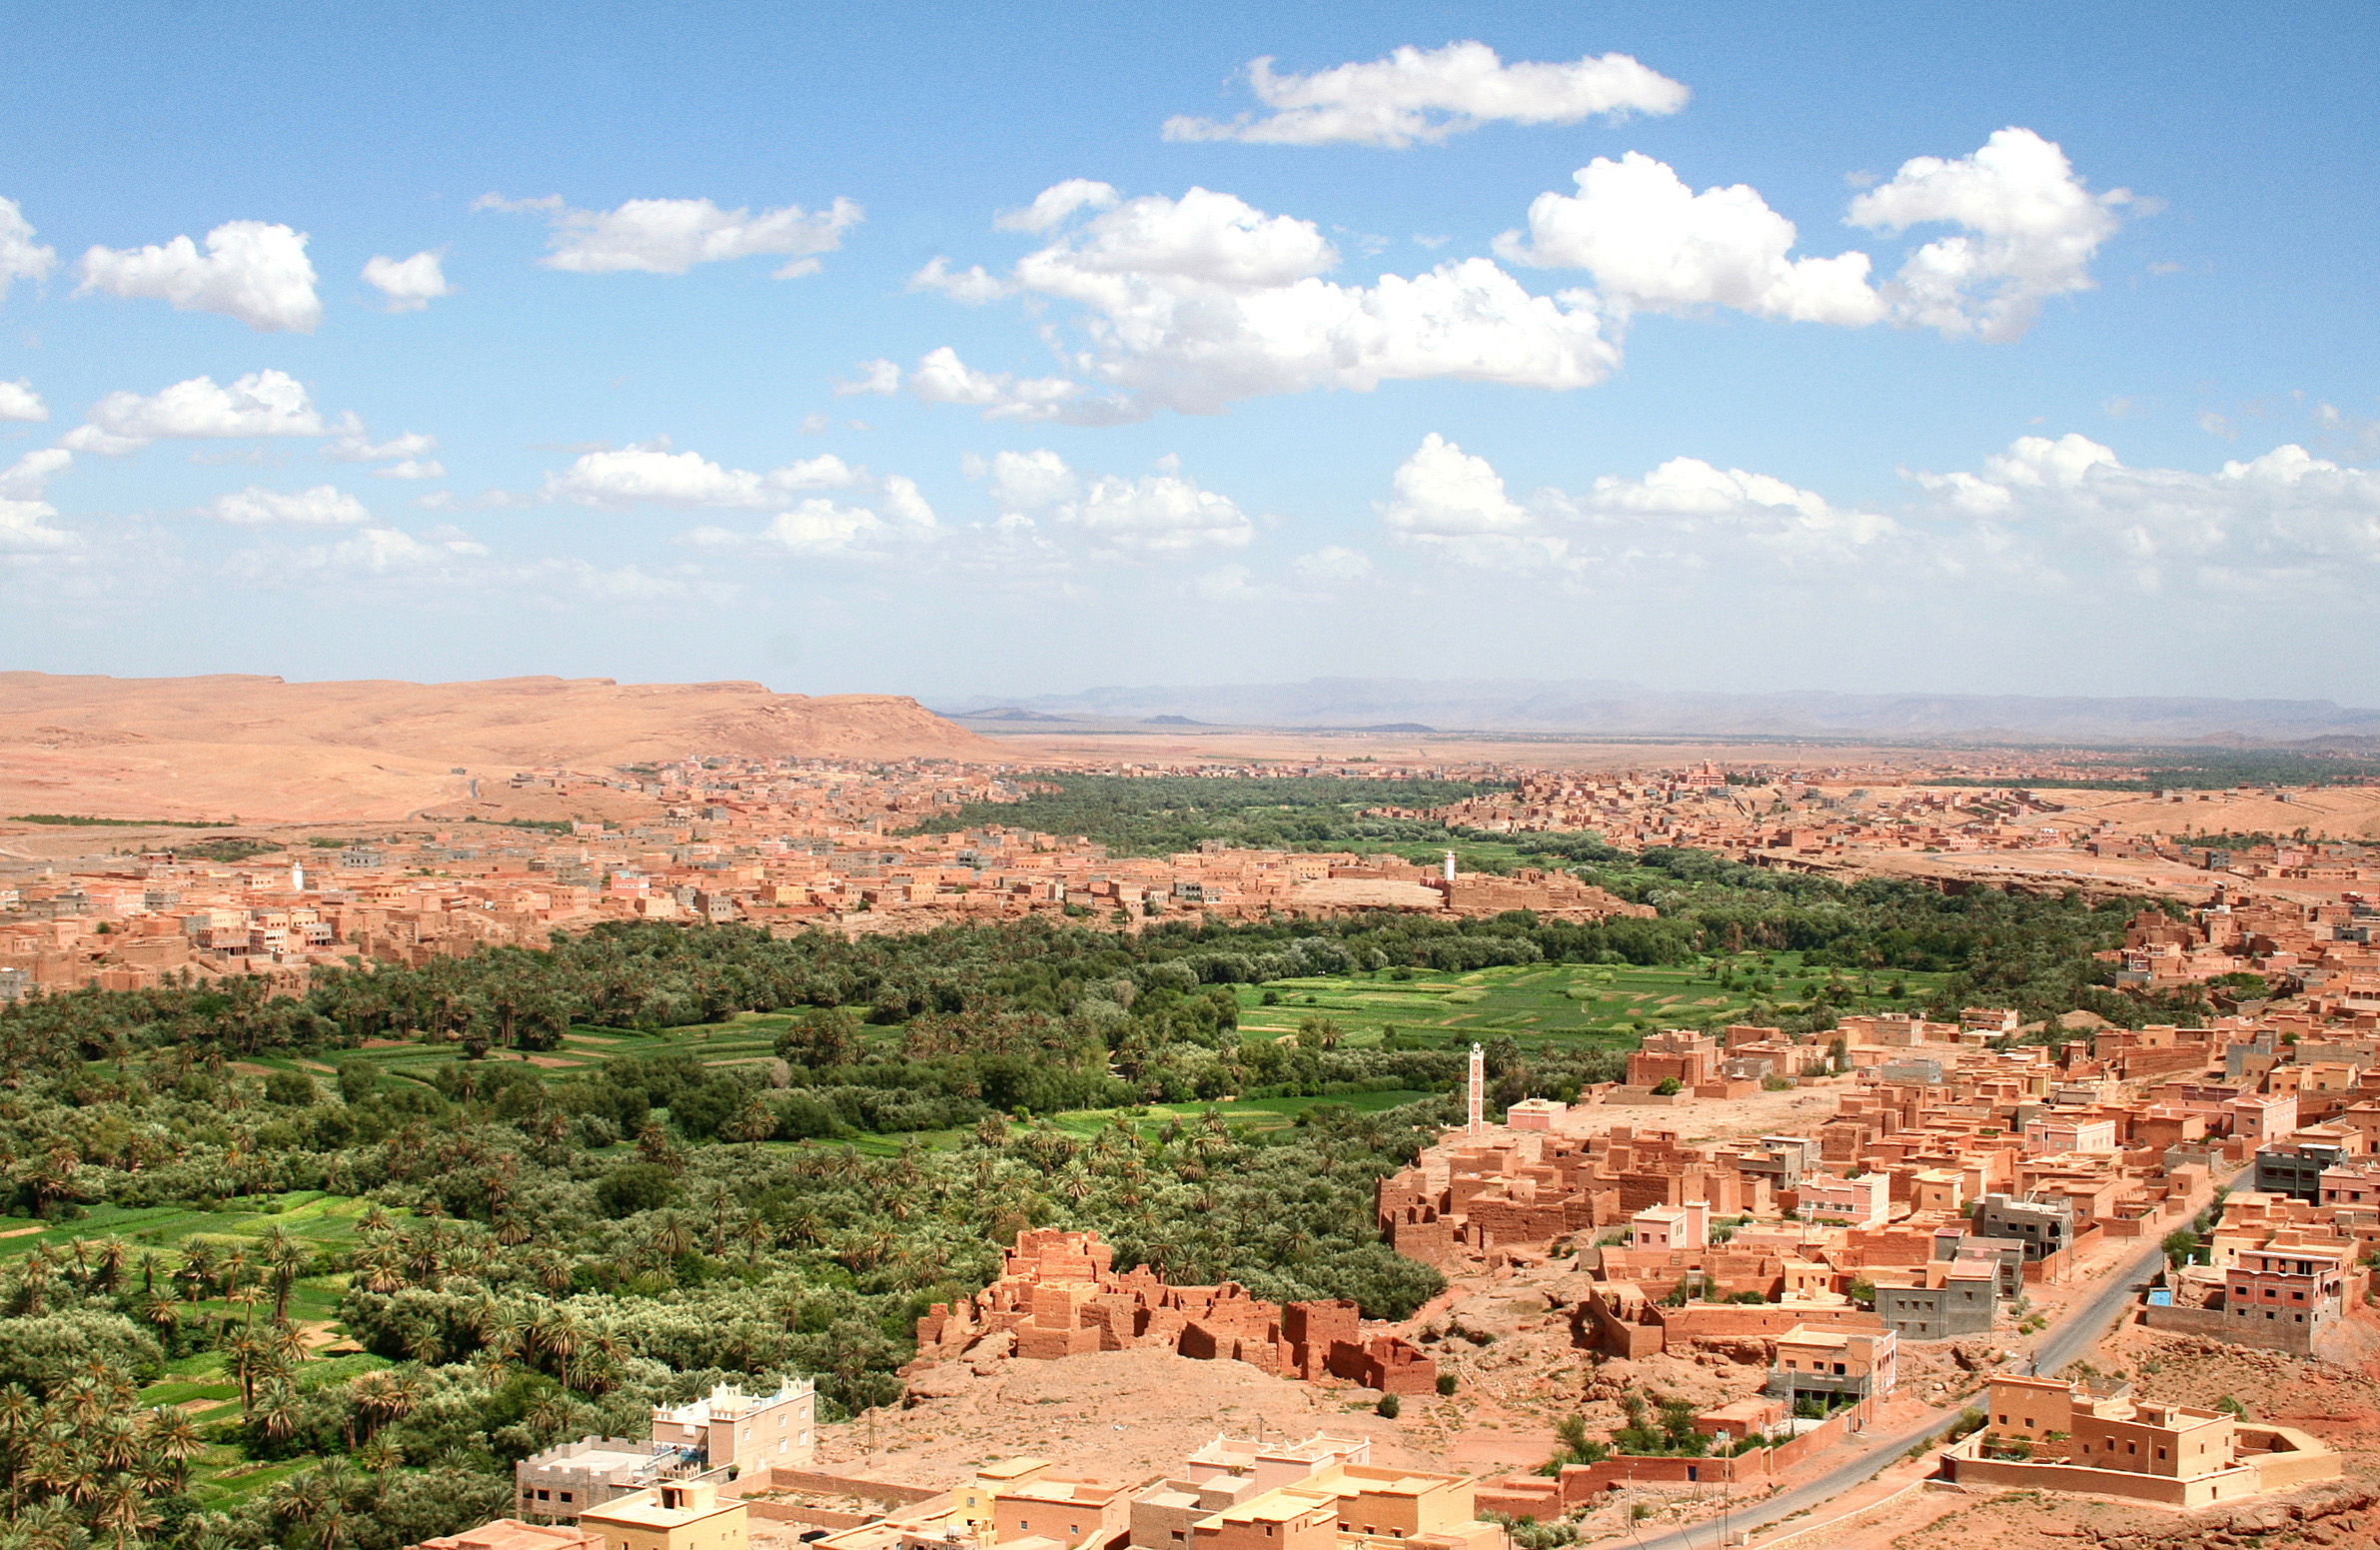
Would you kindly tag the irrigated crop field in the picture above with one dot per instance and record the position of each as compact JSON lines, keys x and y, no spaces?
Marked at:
{"x":1612,"y":1004}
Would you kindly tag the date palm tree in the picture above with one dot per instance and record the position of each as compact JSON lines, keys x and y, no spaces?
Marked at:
{"x":174,"y":1436}
{"x":286,"y":1259}
{"x":122,"y":1512}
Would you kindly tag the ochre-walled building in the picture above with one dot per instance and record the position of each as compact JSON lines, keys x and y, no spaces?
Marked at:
{"x":1059,"y":1294}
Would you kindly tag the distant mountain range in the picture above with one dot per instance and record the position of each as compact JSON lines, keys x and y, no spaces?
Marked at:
{"x":1600,"y":706}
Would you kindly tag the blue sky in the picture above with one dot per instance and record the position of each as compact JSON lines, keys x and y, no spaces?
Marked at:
{"x":2084,"y":404}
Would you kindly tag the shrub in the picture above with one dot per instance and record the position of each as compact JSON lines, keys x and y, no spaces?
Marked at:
{"x":1446,"y":1383}
{"x":1388,"y":1407}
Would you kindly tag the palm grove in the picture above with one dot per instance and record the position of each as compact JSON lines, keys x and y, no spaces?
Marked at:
{"x":539,"y":1254}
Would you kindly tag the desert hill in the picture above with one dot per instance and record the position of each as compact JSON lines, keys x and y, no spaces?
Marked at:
{"x":263,"y":747}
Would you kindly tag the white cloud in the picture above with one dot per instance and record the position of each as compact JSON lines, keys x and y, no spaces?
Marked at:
{"x":972,"y":285}
{"x":254,"y":271}
{"x":382,"y":550}
{"x":1684,"y":516}
{"x":360,"y":447}
{"x":1194,"y":302}
{"x":898,"y":518}
{"x":1427,"y":95}
{"x":408,"y":284}
{"x":1332,"y":565}
{"x":671,"y":236}
{"x":820,"y":526}
{"x":1653,"y":243}
{"x":1157,"y":513}
{"x":18,"y":400}
{"x":323,"y":506}
{"x":1026,"y":480}
{"x":941,"y":377}
{"x":24,"y":516}
{"x":31,"y":474}
{"x":875,"y":377}
{"x":2285,"y":519}
{"x":1443,"y":492}
{"x":21,"y":258}
{"x":2032,"y":228}
{"x":413,"y":468}
{"x":267,"y":403}
{"x":653,"y":474}
{"x":1054,"y":203}
{"x":1202,"y":238}
{"x":2050,"y":514}
{"x":899,"y":499}
{"x":25,"y":527}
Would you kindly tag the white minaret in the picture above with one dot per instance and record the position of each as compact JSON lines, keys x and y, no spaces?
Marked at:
{"x":1479,"y":1083}
{"x":1449,"y":865}
{"x":297,"y":877}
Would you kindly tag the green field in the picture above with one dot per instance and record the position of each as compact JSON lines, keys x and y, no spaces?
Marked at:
{"x":1560,"y":1004}
{"x":200,"y":1385}
{"x":748,"y":1038}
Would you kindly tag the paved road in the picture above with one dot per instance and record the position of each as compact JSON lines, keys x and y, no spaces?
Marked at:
{"x":2076,"y":1332}
{"x":2068,"y":1339}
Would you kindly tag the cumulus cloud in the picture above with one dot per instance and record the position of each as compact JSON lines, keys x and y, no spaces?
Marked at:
{"x":653,"y":474}
{"x":21,"y":258}
{"x":1685,"y":515}
{"x":1155,"y":514}
{"x":1332,"y":565}
{"x":2286,"y":518}
{"x":876,"y":514}
{"x":1026,"y":480}
{"x":2030,"y":230}
{"x":413,"y":468}
{"x":971,"y":286}
{"x":2032,"y":227}
{"x":1192,"y":303}
{"x":896,"y":519}
{"x":1425,"y":95}
{"x":2048,"y":513}
{"x":408,"y":284}
{"x":940,"y":377}
{"x":254,"y":271}
{"x":25,"y":517}
{"x":359,"y":447}
{"x":323,"y":506}
{"x":18,"y":400}
{"x":1054,"y":203}
{"x":267,"y":403}
{"x":25,"y":527}
{"x":875,"y":377}
{"x":1444,"y":491}
{"x":671,"y":236}
{"x":31,"y":474}
{"x":1653,"y":243}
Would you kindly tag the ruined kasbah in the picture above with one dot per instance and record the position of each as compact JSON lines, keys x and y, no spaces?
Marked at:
{"x":1060,"y":1295}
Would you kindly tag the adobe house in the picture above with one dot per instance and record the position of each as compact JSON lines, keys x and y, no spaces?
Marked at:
{"x":2048,"y":1434}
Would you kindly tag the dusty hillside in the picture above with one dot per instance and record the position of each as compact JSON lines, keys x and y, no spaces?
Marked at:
{"x":261,"y":748}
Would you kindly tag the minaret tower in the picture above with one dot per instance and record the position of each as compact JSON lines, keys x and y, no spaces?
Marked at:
{"x":297,"y":877}
{"x":1449,"y":865}
{"x":1476,"y":1113}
